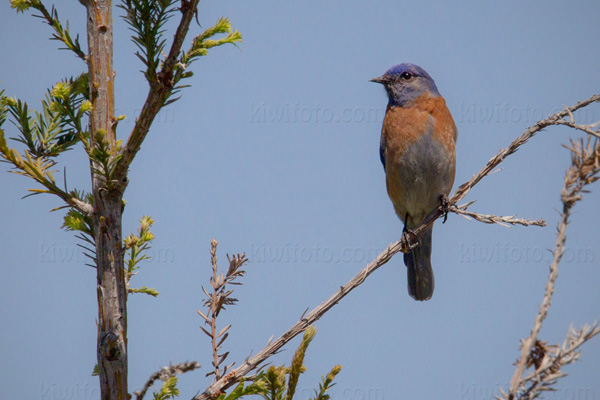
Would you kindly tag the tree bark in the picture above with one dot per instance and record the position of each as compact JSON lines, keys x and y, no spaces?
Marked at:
{"x":108,"y":210}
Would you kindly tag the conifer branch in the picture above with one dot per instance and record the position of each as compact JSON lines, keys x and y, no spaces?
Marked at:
{"x":164,"y":80}
{"x":51,"y":17}
{"x":159,"y":90}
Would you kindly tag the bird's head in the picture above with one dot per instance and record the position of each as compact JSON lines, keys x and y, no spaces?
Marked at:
{"x":406,"y":82}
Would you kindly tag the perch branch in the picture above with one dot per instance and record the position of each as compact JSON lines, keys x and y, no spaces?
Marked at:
{"x":401,"y":245}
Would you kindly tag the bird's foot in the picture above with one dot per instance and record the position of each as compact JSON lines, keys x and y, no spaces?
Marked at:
{"x":445,"y":205}
{"x":410,"y":240}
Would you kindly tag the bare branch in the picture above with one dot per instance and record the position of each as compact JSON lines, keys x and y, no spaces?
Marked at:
{"x":83,"y":207}
{"x":585,"y":128}
{"x":583,"y":171}
{"x":213,"y":309}
{"x":494,"y":219}
{"x":549,"y":370}
{"x":528,"y":344}
{"x":165,"y":373}
{"x":591,"y":129}
{"x":216,"y":301}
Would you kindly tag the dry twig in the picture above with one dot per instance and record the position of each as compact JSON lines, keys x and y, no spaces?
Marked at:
{"x":216,"y":301}
{"x":583,"y":171}
{"x":164,"y":374}
{"x":493,"y":219}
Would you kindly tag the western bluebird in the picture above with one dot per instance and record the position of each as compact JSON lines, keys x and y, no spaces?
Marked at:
{"x":417,"y":150}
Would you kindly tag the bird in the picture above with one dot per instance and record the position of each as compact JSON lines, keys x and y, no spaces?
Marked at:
{"x":418,"y":153}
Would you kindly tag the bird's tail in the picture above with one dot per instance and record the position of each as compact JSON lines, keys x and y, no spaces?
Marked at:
{"x":418,"y":264}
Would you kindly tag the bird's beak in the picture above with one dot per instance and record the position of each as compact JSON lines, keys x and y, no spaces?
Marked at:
{"x":381,"y":79}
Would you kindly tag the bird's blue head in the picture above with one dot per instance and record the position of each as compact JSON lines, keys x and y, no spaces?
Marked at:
{"x":406,"y":82}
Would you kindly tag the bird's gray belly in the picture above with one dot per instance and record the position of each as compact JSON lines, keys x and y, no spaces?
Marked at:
{"x":424,"y":170}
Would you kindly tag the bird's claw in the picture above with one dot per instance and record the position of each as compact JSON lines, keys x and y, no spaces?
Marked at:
{"x":411,"y":240}
{"x":445,"y":205}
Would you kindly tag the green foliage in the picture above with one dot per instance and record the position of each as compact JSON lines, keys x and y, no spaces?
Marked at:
{"x":3,"y":110}
{"x":136,"y":247}
{"x":59,"y":125}
{"x":70,"y":99}
{"x":76,"y":221}
{"x":46,"y":134}
{"x":147,"y":19}
{"x":257,"y":387}
{"x":95,"y":371}
{"x":60,"y":33}
{"x":168,"y":390}
{"x":105,"y":157}
{"x":37,"y":168}
{"x":151,"y":291}
{"x":279,"y":382}
{"x":203,"y":42}
{"x":297,"y":362}
{"x":326,"y":384}
{"x":23,"y":5}
{"x":274,"y":380}
{"x":199,"y":48}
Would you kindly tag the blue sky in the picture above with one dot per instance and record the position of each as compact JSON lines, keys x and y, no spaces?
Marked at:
{"x":274,"y":152}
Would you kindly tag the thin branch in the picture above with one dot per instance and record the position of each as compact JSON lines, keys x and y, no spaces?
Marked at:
{"x":516,"y":380}
{"x":165,"y":373}
{"x":568,"y":353}
{"x":584,"y":170}
{"x":60,"y":34}
{"x":213,"y":309}
{"x":83,"y":207}
{"x":403,"y":244}
{"x":589,"y":129}
{"x":494,"y":219}
{"x":158,"y":91}
{"x":216,"y":301}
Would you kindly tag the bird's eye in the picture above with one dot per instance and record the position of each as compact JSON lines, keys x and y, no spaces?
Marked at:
{"x":406,"y":75}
